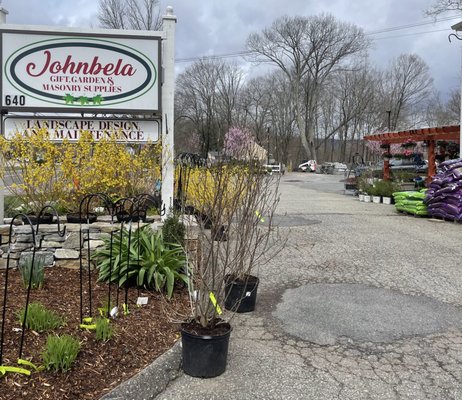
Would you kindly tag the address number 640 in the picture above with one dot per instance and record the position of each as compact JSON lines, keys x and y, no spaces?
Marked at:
{"x":15,"y":100}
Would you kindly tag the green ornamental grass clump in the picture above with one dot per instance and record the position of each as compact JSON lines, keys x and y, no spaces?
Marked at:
{"x":60,"y":352}
{"x":40,"y":319}
{"x":103,"y":330}
{"x":33,"y":272}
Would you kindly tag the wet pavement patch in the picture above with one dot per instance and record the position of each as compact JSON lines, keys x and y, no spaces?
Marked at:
{"x":291,"y":220}
{"x":323,"y":313}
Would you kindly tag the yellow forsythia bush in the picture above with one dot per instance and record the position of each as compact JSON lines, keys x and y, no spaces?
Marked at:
{"x":32,"y":164}
{"x":218,"y":188}
{"x":44,"y":172}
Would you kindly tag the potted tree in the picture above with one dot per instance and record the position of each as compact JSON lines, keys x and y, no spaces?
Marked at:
{"x":241,"y":197}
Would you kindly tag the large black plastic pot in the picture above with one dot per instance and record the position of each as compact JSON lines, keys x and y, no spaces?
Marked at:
{"x":241,"y":294}
{"x":205,"y":356}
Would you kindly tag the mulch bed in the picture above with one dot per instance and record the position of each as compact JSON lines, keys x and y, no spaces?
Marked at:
{"x":139,"y":338}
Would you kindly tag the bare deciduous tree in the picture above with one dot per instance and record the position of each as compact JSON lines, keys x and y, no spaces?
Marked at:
{"x":308,"y":50}
{"x":130,"y":14}
{"x":443,"y":6}
{"x":207,"y":93}
{"x":439,"y":113}
{"x":255,"y":106}
{"x":406,"y":85}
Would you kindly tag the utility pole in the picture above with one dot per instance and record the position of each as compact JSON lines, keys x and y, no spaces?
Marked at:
{"x":389,"y":120}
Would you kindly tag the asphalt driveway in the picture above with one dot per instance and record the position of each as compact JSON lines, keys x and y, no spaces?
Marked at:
{"x":363,"y":303}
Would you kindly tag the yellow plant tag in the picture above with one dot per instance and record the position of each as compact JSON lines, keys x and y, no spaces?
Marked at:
{"x":215,"y":303}
{"x":4,"y":370}
{"x":259,"y":216}
{"x":29,"y":364}
{"x":85,"y":326}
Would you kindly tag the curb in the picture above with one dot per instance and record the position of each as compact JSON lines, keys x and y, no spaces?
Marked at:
{"x":152,"y":380}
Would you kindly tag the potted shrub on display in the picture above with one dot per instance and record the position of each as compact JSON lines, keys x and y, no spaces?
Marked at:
{"x":242,"y":198}
{"x":386,"y":190}
{"x":376,"y":198}
{"x":362,"y":185}
{"x":368,"y":190}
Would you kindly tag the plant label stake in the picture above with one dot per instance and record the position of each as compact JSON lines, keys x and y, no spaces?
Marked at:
{"x":259,"y":216}
{"x":141,"y":301}
{"x":114,"y":312}
{"x":213,"y":299}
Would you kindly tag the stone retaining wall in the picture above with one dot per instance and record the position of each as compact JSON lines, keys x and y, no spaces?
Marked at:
{"x":60,"y":251}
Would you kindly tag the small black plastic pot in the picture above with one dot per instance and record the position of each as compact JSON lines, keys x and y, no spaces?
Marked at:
{"x":220,"y":234}
{"x":45,"y":218}
{"x":205,"y":355}
{"x":241,"y":294}
{"x":77,"y":218}
{"x":127,"y":217}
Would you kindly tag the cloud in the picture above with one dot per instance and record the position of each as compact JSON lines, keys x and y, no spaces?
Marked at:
{"x":210,"y":27}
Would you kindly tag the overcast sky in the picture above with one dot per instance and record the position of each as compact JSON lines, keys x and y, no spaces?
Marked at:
{"x":210,"y":27}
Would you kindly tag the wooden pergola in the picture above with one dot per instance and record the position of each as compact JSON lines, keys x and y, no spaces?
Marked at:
{"x":427,"y":135}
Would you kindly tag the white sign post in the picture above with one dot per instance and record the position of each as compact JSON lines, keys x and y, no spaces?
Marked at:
{"x":3,"y":14}
{"x":168,"y":167}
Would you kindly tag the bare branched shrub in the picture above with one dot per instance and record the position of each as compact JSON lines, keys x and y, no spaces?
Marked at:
{"x":235,"y":203}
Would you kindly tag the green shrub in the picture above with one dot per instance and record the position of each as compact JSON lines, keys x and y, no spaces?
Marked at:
{"x":40,"y":319}
{"x":12,"y":206}
{"x":173,"y":230}
{"x":38,"y":275}
{"x":104,"y":329}
{"x":60,"y":352}
{"x":152,"y":264}
{"x":369,"y":189}
{"x":386,"y":188}
{"x":372,"y":190}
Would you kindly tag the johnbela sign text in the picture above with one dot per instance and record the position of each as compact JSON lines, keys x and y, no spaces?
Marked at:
{"x":76,"y":73}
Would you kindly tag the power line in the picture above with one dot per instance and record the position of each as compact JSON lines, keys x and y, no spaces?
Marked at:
{"x":411,"y":34}
{"x":216,"y":56}
{"x":385,"y":30}
{"x":408,"y":26}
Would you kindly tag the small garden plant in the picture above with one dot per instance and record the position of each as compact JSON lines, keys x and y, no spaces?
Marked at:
{"x":60,"y":352}
{"x":33,"y":272}
{"x":40,"y":319}
{"x":149,"y":262}
{"x":173,"y":230}
{"x":103,"y":329}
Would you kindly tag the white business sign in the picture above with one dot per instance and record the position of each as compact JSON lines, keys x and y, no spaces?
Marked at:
{"x":68,"y":72}
{"x":129,"y":131}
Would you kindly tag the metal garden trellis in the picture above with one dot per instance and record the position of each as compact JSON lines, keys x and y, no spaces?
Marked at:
{"x":35,"y":247}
